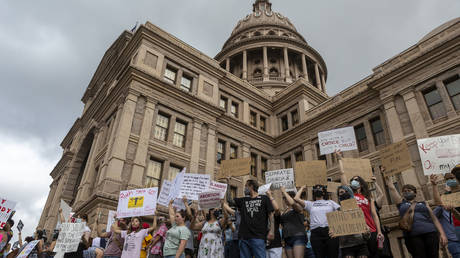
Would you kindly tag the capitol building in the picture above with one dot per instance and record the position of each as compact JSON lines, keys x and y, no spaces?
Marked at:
{"x":156,"y":105}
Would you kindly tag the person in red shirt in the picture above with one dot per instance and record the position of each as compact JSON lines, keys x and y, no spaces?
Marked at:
{"x":366,"y":203}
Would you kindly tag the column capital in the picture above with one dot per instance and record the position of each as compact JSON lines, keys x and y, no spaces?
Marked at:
{"x":197,"y":123}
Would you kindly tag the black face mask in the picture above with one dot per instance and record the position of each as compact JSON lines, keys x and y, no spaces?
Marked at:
{"x":344,"y":196}
{"x":208,"y":217}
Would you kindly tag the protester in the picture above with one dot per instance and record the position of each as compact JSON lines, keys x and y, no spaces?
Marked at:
{"x":422,"y":240}
{"x":114,"y":246}
{"x":190,"y":247}
{"x":308,"y":249}
{"x":177,"y":235}
{"x":454,"y":188}
{"x":256,"y":215}
{"x":159,"y":238}
{"x":133,"y":237}
{"x":274,"y":248}
{"x":384,"y":252}
{"x":292,"y":221}
{"x":366,"y":203}
{"x":228,"y":234}
{"x":236,"y":218}
{"x":145,"y":242}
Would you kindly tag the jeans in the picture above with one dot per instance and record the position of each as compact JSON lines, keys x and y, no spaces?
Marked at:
{"x":252,"y":248}
{"x":173,"y":256}
{"x":457,"y":232}
{"x":294,"y":241}
{"x":454,"y":248}
{"x":309,"y":253}
{"x":424,"y":245}
{"x":235,"y":249}
{"x":323,"y":245}
{"x":227,"y":248}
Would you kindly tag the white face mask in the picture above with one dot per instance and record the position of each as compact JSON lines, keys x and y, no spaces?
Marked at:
{"x":78,"y":220}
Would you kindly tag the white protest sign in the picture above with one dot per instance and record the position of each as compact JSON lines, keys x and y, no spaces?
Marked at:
{"x":66,"y":212}
{"x":6,"y":209}
{"x":138,"y":202}
{"x":110,"y":220}
{"x":282,"y":177}
{"x":439,"y":154}
{"x":176,"y":185}
{"x":217,"y":187}
{"x":264,"y":188}
{"x":342,"y":139}
{"x":209,"y":200}
{"x":28,"y":249}
{"x":69,"y":237}
{"x":192,"y":185}
{"x":163,"y":197}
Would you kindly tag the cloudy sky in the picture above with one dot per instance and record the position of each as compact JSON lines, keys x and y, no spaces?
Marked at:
{"x":49,"y":50}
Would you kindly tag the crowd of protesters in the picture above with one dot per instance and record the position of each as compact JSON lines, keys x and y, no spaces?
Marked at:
{"x":257,"y":226}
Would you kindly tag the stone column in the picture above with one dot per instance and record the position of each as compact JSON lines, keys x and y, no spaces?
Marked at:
{"x":265,"y":57}
{"x":416,"y":119}
{"x":246,"y":112}
{"x":110,"y":143}
{"x":286,"y":65}
{"x":46,"y":209}
{"x":308,"y":152}
{"x":273,"y":123}
{"x":369,"y":137}
{"x":323,"y":82}
{"x":172,"y":125}
{"x":211,"y":151}
{"x":227,"y":64}
{"x":245,"y":65}
{"x":51,"y":220}
{"x":304,"y":67}
{"x":140,"y":159}
{"x":196,"y":140}
{"x":450,"y":109}
{"x":318,"y":80}
{"x":303,"y":107}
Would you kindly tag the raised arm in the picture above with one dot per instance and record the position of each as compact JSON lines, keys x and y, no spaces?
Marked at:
{"x":379,"y":199}
{"x":393,"y":192}
{"x":228,"y":208}
{"x":297,"y":197}
{"x":224,"y":219}
{"x":274,"y":203}
{"x":154,"y":224}
{"x":61,"y":216}
{"x":99,"y":230}
{"x":376,"y":220}
{"x":297,"y":207}
{"x":20,"y":239}
{"x":172,"y":213}
{"x":343,"y":177}
{"x":442,"y":235}
{"x":436,"y":195}
{"x":187,"y":207}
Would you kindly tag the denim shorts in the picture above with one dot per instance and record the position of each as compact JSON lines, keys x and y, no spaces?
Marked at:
{"x":294,"y":241}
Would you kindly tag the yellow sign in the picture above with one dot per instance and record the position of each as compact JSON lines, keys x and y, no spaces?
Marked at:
{"x":136,"y":202}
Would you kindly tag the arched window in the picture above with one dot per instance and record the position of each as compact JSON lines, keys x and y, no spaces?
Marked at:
{"x":257,"y":33}
{"x":285,"y":35}
{"x":272,"y":33}
{"x":273,"y":72}
{"x":257,"y":73}
{"x":273,"y":60}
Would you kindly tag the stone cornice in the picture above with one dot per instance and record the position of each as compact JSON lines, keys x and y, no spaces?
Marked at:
{"x":69,"y":136}
{"x":297,"y":88}
{"x":62,"y":163}
{"x":246,"y":129}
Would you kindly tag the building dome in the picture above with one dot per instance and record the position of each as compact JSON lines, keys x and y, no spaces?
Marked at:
{"x":265,"y":49}
{"x":440,"y":28}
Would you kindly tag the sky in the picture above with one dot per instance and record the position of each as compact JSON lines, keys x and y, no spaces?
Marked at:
{"x":50,"y":49}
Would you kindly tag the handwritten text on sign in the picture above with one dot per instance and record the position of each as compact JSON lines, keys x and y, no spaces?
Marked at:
{"x":344,"y":223}
{"x":282,"y":177}
{"x":6,"y":208}
{"x":138,"y":202}
{"x":218,"y":187}
{"x":209,"y":200}
{"x":193,"y":184}
{"x":439,"y":154}
{"x":396,"y":158}
{"x":163,"y":198}
{"x":69,"y":237}
{"x":342,"y":139}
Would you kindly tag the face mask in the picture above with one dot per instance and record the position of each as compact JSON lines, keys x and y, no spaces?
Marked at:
{"x":451,"y":183}
{"x":355,"y":184}
{"x":344,"y":196}
{"x":247,"y":192}
{"x":409,"y":196}
{"x":78,"y":220}
{"x":208,"y":217}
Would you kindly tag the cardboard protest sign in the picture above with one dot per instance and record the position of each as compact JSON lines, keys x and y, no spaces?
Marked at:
{"x":28,"y":249}
{"x":110,"y":220}
{"x":20,"y":225}
{"x":69,"y":237}
{"x":235,"y":167}
{"x":310,"y":173}
{"x":332,"y":186}
{"x":395,"y":158}
{"x":163,"y":197}
{"x":264,"y":188}
{"x":342,"y":139}
{"x":282,"y":177}
{"x":349,"y":204}
{"x":138,"y":202}
{"x":452,"y":199}
{"x":209,"y":200}
{"x":439,"y":155}
{"x":192,"y":185}
{"x":6,"y":209}
{"x":357,"y":167}
{"x":217,"y":187}
{"x":343,"y":223}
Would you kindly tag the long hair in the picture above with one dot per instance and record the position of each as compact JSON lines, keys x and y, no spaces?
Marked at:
{"x":130,"y":229}
{"x":364,"y":187}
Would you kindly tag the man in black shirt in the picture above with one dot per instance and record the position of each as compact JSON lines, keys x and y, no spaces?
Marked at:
{"x":256,"y":215}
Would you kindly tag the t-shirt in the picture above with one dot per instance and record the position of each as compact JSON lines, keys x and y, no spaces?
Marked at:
{"x":422,"y":221}
{"x":133,"y":243}
{"x":318,"y":210}
{"x":254,"y":216}
{"x":189,"y":244}
{"x":276,"y":243}
{"x":113,"y":246}
{"x":228,"y":234}
{"x":173,"y":238}
{"x":445,"y":218}
{"x":292,"y":222}
{"x":365,"y":206}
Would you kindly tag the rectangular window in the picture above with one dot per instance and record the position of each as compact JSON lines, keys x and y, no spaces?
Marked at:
{"x":263,"y":166}
{"x":186,"y":83}
{"x":234,"y":110}
{"x":360,"y":132}
{"x":295,"y":117}
{"x":170,"y":74}
{"x":254,"y":164}
{"x":288,"y":162}
{"x":179,"y":134}
{"x":153,"y":175}
{"x":173,"y":171}
{"x":220,"y":151}
{"x":284,"y":123}
{"x":453,"y":88}
{"x":434,"y":102}
{"x":298,"y":156}
{"x":223,"y":103}
{"x":233,"y":151}
{"x":253,"y":119}
{"x":161,"y":128}
{"x":377,"y":131}
{"x":263,"y":125}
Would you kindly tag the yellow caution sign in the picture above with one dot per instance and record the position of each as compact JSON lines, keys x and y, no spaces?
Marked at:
{"x":136,"y":202}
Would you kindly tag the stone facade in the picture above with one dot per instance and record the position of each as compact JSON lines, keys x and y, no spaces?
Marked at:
{"x":156,"y":105}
